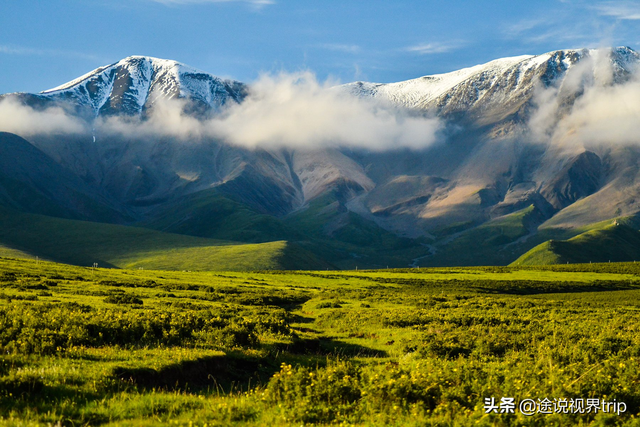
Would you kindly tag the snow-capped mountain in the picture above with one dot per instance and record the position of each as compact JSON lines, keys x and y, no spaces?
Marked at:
{"x":136,"y":83}
{"x":488,"y":166}
{"x":498,"y":88}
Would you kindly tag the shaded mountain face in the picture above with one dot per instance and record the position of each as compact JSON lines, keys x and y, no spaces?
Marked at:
{"x":579,"y":178}
{"x":489,"y":166}
{"x":33,"y":182}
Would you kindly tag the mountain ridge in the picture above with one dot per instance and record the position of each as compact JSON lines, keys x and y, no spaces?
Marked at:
{"x":487,"y":168}
{"x":134,"y":84}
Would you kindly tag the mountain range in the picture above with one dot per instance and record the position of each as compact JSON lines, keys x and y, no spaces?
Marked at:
{"x":522,"y":156}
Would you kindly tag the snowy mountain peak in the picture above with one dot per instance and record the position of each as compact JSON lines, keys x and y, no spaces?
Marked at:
{"x":492,"y":90}
{"x":499,"y":87}
{"x":135,"y":83}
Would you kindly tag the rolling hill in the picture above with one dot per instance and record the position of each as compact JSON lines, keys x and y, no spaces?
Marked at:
{"x":614,"y":242}
{"x":85,"y":243}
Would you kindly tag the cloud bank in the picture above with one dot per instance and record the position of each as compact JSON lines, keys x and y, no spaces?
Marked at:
{"x":593,"y":105}
{"x":431,"y":48}
{"x":284,"y":111}
{"x":629,"y":11}
{"x":26,"y":121}
{"x":290,"y":111}
{"x":296,"y":110}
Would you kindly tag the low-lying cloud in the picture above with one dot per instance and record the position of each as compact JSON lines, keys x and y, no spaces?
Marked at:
{"x":588,"y":107}
{"x":284,"y":111}
{"x":297,"y":111}
{"x":26,"y":121}
{"x":593,"y":104}
{"x":291,"y":111}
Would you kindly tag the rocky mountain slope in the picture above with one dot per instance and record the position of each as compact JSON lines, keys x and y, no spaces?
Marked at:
{"x":494,"y":162}
{"x":134,"y":84}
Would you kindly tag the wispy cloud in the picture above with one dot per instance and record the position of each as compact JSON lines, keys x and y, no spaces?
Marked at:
{"x":559,"y":30}
{"x":29,"y":51}
{"x":25,"y":121}
{"x":257,"y":4}
{"x":521,"y":27}
{"x":346,"y":48}
{"x":431,"y":48}
{"x":577,"y":23}
{"x":628,"y":11}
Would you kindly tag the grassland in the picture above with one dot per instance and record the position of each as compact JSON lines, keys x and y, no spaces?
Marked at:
{"x":610,"y":242}
{"x":85,"y":243}
{"x":347,"y":240}
{"x":519,"y":239}
{"x":492,"y":243}
{"x":210,"y":214}
{"x":83,"y":346}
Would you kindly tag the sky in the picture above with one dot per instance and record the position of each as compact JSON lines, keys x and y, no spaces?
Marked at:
{"x":45,"y":44}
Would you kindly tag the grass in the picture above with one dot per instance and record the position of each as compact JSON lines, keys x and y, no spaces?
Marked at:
{"x":347,"y":240}
{"x":212,"y":215}
{"x":494,"y":242}
{"x":516,"y":239}
{"x":323,"y":235}
{"x":416,"y":347}
{"x":85,"y":243}
{"x":607,"y":242}
{"x":8,"y":252}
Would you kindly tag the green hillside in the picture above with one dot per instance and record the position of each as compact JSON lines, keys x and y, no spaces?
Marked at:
{"x":7,"y":252}
{"x":495,"y":242}
{"x":85,"y":243}
{"x":211,"y":214}
{"x":348,"y":240}
{"x":31,"y":181}
{"x":615,"y":242}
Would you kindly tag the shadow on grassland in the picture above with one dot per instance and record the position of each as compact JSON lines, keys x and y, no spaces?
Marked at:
{"x":236,"y":371}
{"x":529,"y":287}
{"x":20,"y":394}
{"x":324,"y":346}
{"x":224,"y":373}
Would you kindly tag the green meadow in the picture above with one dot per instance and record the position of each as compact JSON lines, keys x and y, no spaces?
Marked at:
{"x":404,"y":347}
{"x":85,"y":243}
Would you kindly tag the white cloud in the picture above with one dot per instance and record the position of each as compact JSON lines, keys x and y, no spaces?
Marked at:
{"x":574,"y":33}
{"x":430,"y":48}
{"x":607,"y":115}
{"x":25,"y":121}
{"x":524,"y":26}
{"x":570,"y":24}
{"x":12,"y":50}
{"x":287,"y":110}
{"x":255,"y":3}
{"x":346,"y":48}
{"x":293,"y":111}
{"x":28,"y":51}
{"x":587,"y":108}
{"x":628,"y":11}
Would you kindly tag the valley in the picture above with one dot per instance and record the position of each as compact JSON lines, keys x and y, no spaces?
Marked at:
{"x":298,"y":213}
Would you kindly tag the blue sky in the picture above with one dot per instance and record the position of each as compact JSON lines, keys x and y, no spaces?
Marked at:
{"x":44,"y":44}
